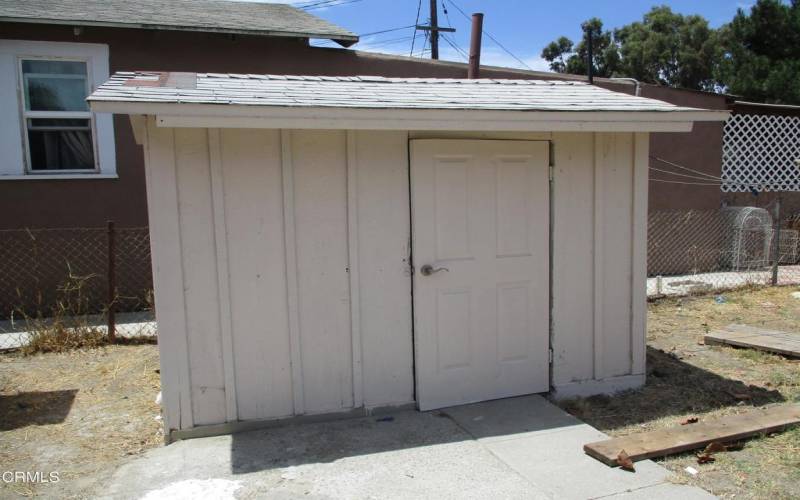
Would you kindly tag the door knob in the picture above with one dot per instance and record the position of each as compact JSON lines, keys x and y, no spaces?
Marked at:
{"x":428,"y":269}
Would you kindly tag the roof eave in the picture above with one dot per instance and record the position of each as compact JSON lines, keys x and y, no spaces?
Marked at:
{"x":342,"y":39}
{"x":240,"y":116}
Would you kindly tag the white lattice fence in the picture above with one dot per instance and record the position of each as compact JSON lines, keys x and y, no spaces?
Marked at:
{"x":761,"y":153}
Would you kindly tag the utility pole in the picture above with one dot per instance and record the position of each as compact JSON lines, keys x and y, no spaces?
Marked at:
{"x":434,"y":30}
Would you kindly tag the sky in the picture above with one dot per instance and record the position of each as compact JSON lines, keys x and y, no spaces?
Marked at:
{"x":522,"y":27}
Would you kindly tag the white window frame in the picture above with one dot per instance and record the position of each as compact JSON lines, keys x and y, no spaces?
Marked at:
{"x":17,"y":164}
{"x":81,"y":115}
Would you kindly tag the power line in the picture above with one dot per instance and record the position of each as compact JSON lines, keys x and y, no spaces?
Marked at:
{"x":492,"y":38}
{"x":697,"y":177}
{"x":708,"y":179}
{"x":455,"y":46}
{"x":325,"y":3}
{"x":672,"y":164}
{"x":389,"y":30}
{"x":685,"y":183}
{"x":392,"y":41}
{"x":419,"y":7}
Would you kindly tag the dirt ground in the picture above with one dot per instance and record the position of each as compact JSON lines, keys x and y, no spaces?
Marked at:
{"x":80,"y":414}
{"x":686,"y":378}
{"x":84,"y":413}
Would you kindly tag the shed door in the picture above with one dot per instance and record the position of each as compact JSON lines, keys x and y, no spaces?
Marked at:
{"x":480,"y":221}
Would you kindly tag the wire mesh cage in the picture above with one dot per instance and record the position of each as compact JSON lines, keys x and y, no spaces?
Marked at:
{"x":749,"y":238}
{"x":788,"y":246}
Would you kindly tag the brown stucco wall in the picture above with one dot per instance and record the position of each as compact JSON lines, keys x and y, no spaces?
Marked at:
{"x":700,"y":149}
{"x":89,"y":203}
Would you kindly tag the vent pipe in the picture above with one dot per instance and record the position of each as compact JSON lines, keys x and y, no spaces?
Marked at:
{"x":475,"y":46}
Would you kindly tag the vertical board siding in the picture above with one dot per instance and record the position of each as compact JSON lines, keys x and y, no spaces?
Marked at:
{"x":162,"y":199}
{"x":254,"y":219}
{"x":641,"y":163}
{"x":290,"y":254}
{"x":573,"y":264}
{"x":200,"y":275}
{"x":223,"y":274}
{"x":319,"y":164}
{"x":275,"y":220}
{"x":615,"y":167}
{"x":384,"y":272}
{"x":354,"y":268}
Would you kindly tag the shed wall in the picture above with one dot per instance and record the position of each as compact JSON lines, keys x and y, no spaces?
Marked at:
{"x":281,"y":262}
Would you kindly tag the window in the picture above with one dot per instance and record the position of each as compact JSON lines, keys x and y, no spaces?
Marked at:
{"x":57,"y":121}
{"x":47,"y":130}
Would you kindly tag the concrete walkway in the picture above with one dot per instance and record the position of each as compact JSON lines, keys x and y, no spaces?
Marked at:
{"x":514,"y":448}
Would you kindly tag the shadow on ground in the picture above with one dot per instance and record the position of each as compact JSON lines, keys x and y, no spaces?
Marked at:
{"x":328,"y":442}
{"x":35,"y":408}
{"x":673,"y":388}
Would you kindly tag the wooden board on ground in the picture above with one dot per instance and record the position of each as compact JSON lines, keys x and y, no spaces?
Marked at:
{"x":751,"y":337}
{"x":688,"y":437}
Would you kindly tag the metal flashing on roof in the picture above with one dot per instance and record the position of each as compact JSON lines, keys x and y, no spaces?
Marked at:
{"x":248,"y":18}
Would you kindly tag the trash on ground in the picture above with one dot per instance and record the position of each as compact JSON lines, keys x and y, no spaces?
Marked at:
{"x":625,"y":461}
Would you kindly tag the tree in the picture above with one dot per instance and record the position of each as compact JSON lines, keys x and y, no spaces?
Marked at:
{"x":664,"y":48}
{"x":566,"y":57}
{"x":761,"y":53}
{"x":669,"y":49}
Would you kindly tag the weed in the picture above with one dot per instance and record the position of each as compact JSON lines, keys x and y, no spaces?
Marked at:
{"x":66,"y":324}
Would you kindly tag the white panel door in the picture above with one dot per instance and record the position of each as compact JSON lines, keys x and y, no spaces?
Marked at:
{"x":480,"y":216}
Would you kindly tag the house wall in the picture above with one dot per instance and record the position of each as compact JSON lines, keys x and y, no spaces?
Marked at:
{"x":89,"y":203}
{"x":281,"y":264}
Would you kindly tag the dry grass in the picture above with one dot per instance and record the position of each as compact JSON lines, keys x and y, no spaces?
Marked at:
{"x":687,"y":378}
{"x":64,"y":325}
{"x":80,"y":413}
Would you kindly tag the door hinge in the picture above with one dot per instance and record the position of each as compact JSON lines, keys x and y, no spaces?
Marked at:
{"x":550,"y":355}
{"x":550,"y":173}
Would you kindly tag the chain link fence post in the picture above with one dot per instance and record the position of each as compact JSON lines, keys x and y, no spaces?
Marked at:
{"x":112,"y":283}
{"x":776,"y":247}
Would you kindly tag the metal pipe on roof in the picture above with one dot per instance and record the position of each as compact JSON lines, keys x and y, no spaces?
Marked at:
{"x":590,"y":56}
{"x":475,"y":46}
{"x":638,"y":91}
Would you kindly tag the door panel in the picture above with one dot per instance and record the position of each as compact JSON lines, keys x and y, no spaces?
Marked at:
{"x":480,"y":219}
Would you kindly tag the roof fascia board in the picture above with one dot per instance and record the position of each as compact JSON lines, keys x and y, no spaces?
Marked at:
{"x":378,"y":114}
{"x":330,"y":123}
{"x":344,"y":40}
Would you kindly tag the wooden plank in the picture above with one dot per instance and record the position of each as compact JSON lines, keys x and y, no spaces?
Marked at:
{"x":675,"y":440}
{"x":760,"y":339}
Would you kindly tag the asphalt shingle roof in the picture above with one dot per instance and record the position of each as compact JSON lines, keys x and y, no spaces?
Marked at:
{"x":193,"y":15}
{"x":370,"y":92}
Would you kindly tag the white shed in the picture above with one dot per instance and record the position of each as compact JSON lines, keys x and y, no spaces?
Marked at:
{"x":332,"y":245}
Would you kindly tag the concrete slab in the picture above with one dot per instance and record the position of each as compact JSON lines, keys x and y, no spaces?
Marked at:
{"x":556,"y":461}
{"x":513,"y":417}
{"x":514,"y":448}
{"x":416,"y":455}
{"x":544,"y":444}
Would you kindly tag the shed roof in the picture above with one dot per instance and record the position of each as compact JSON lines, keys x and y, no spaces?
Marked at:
{"x":254,"y":18}
{"x":282,"y":96}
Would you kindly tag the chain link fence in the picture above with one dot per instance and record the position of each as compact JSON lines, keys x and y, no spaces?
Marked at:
{"x":75,"y":281}
{"x":701,"y":251}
